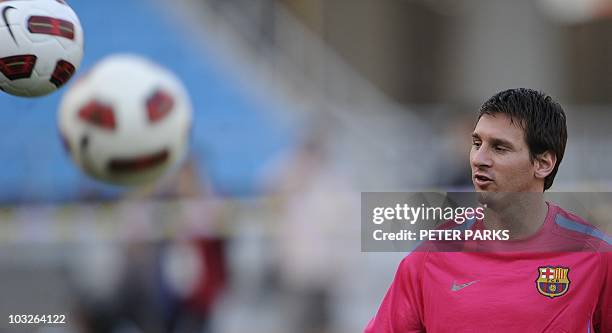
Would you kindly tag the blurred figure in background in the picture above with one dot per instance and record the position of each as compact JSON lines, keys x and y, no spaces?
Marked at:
{"x":316,"y":213}
{"x":169,"y":268}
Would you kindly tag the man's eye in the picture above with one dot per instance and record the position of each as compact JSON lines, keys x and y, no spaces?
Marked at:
{"x":476,"y":144}
{"x":500,"y":148}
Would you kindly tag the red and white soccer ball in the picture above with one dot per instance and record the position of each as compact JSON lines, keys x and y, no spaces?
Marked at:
{"x":41,"y":46}
{"x":127,"y":121}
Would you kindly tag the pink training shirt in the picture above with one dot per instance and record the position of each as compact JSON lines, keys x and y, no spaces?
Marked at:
{"x":456,"y":292}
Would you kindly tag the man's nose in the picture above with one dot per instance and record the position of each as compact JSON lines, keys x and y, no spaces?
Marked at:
{"x":481,"y":157}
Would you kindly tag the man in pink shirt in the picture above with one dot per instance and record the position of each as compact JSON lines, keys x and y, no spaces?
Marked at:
{"x":553,"y":275}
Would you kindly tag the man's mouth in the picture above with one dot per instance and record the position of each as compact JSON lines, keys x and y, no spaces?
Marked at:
{"x":482,"y":180}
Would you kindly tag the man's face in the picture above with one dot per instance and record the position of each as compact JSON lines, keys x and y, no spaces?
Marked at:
{"x":499,"y":157}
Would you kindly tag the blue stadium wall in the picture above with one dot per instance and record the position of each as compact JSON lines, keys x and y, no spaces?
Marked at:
{"x":234,"y":134}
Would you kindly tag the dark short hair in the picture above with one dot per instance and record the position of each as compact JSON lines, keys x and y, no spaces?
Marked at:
{"x":541,"y":118}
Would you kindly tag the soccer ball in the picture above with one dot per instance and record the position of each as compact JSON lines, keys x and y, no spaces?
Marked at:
{"x":41,"y":46}
{"x":126,"y":121}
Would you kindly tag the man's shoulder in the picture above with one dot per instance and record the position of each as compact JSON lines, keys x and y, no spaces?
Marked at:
{"x":412,"y":264}
{"x":568,"y":224}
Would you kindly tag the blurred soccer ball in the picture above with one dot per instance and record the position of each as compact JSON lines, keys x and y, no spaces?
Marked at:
{"x":127,"y":121}
{"x":41,"y":46}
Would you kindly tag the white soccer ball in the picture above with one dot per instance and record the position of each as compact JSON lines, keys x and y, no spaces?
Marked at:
{"x":126,"y":121}
{"x":41,"y":46}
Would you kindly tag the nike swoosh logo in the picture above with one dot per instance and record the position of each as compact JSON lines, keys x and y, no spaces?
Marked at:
{"x":6,"y":22}
{"x":457,"y":287}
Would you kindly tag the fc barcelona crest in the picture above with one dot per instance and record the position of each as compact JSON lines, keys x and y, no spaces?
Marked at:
{"x":553,"y":281}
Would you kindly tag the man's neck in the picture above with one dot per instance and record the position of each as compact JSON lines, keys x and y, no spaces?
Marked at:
{"x":521,"y":213}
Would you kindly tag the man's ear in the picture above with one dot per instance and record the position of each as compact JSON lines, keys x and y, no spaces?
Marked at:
{"x":544,"y":164}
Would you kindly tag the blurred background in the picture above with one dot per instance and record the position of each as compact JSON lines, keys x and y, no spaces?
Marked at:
{"x":299,"y":105}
